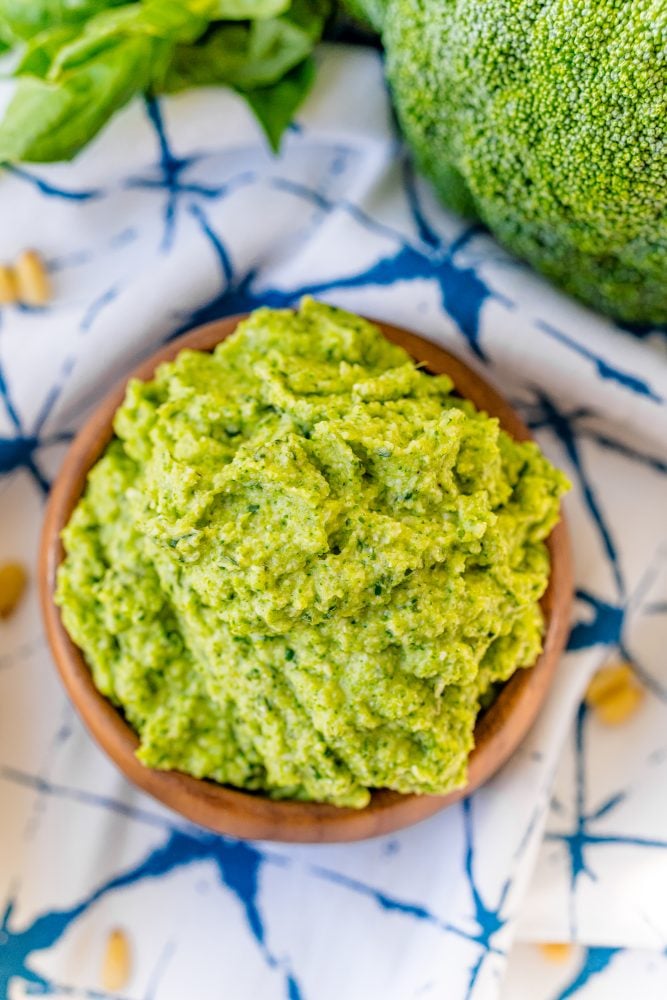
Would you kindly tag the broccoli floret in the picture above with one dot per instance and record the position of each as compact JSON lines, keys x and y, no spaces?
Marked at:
{"x":547,"y":119}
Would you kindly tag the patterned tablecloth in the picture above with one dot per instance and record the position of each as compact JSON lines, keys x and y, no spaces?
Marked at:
{"x":177,"y":215}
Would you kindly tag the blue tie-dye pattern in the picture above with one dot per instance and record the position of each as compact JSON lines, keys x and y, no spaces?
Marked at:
{"x":463,"y":294}
{"x":605,"y":370}
{"x":488,"y":919}
{"x":610,"y":444}
{"x":76,"y":258}
{"x":545,"y":413}
{"x":575,"y":841}
{"x":122,"y":239}
{"x":80,"y":796}
{"x":605,"y":628}
{"x":16,"y":947}
{"x":73,"y":258}
{"x":594,"y":962}
{"x":218,"y":246}
{"x":239,"y":865}
{"x":167,"y":178}
{"x":608,"y":625}
{"x":580,"y":839}
{"x":50,"y":190}
{"x":462,"y":291}
{"x":96,"y":307}
{"x":388,"y":903}
{"x":427,"y":233}
{"x":20,"y":450}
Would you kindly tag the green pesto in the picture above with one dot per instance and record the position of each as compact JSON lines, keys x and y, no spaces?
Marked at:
{"x":303,"y":562}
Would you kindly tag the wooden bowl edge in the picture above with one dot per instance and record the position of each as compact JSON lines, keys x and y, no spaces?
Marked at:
{"x":243,"y":814}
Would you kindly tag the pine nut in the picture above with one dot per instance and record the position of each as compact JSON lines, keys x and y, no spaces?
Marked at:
{"x":619,"y":706}
{"x":13,"y":581}
{"x":34,"y":285}
{"x":116,"y":966}
{"x":556,"y":951}
{"x":8,"y":291}
{"x":614,"y":694}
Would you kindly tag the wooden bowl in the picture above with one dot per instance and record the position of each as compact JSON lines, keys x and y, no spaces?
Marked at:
{"x":242,"y":814}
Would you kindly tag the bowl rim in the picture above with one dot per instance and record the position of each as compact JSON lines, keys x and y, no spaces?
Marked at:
{"x":247,"y":815}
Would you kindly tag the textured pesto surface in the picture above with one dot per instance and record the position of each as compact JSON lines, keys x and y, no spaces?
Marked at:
{"x":303,"y":562}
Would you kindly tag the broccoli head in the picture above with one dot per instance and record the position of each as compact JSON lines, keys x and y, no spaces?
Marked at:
{"x":547,"y":119}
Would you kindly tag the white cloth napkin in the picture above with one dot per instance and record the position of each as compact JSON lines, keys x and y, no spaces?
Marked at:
{"x":177,"y":214}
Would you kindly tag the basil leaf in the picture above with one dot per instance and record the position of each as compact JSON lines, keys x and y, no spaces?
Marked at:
{"x":23,"y":19}
{"x":252,"y":55}
{"x":94,"y":55}
{"x":247,"y":10}
{"x":171,"y":20}
{"x":275,"y":106}
{"x":39,"y":53}
{"x":48,"y":120}
{"x":79,"y":76}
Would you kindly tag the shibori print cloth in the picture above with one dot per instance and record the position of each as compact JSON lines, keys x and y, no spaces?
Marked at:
{"x":176,"y":215}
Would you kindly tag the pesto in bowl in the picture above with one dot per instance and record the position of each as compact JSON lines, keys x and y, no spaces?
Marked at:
{"x":303,"y":563}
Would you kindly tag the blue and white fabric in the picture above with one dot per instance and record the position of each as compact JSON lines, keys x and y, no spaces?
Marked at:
{"x":176,"y":215}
